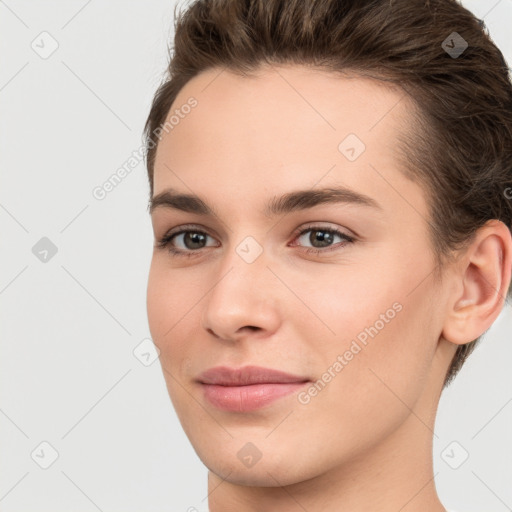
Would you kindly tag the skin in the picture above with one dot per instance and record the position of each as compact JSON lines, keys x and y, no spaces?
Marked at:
{"x":364,"y":442}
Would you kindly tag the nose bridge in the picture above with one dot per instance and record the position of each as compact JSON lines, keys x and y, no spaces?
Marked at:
{"x":245,"y":263}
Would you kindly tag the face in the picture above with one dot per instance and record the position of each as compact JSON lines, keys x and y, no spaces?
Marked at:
{"x":273,"y":271}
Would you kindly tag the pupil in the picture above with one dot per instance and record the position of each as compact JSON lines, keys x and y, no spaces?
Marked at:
{"x":193,"y":238}
{"x":321,"y":236}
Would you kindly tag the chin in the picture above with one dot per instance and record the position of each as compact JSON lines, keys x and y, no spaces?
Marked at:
{"x":261,"y":475}
{"x":273,"y":469}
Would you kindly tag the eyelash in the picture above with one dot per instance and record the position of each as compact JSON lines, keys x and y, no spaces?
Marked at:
{"x":165,"y":241}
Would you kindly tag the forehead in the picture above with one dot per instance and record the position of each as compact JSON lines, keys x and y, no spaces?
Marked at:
{"x":284,"y":127}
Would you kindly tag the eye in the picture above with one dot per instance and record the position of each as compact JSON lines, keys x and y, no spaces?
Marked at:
{"x":189,"y":242}
{"x":322,"y":239}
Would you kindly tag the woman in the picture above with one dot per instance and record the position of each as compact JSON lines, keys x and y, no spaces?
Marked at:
{"x":330,"y":196}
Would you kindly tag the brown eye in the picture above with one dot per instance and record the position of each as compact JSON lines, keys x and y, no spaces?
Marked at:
{"x":193,"y":239}
{"x":186,"y":242}
{"x":322,"y":238}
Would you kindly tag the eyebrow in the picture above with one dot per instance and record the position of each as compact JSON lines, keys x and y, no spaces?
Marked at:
{"x":289,"y":202}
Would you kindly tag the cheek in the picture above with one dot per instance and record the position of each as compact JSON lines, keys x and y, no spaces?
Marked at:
{"x":377,"y":388}
{"x":171,"y":295}
{"x":168,"y":304}
{"x":158,"y":302}
{"x":385,"y":336}
{"x":165,"y":308}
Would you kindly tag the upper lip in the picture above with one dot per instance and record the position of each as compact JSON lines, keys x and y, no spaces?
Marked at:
{"x":225,"y":376}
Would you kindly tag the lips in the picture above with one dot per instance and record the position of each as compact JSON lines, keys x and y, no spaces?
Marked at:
{"x":248,"y":388}
{"x":225,"y":376}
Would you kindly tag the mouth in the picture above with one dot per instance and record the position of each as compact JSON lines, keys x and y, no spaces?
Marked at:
{"x":248,"y":388}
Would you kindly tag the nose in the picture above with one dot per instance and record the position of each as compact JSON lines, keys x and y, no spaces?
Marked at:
{"x":244,"y":301}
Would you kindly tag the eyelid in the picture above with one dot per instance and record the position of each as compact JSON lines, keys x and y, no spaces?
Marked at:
{"x":188,"y":227}
{"x":319,"y":226}
{"x":165,"y":241}
{"x":295,"y":233}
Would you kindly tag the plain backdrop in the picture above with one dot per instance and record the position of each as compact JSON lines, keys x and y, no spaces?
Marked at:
{"x":77,"y":393}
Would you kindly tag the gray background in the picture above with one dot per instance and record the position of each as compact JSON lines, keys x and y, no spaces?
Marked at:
{"x":70,"y":324}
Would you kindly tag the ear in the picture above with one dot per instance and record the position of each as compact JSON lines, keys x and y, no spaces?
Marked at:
{"x":482,"y":280}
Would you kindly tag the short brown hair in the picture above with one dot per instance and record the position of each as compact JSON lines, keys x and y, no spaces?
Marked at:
{"x":459,"y":143}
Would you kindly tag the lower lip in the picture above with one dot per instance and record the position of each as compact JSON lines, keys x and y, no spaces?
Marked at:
{"x":248,"y":398}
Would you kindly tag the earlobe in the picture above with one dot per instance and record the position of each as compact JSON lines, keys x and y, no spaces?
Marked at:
{"x":484,"y":274}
